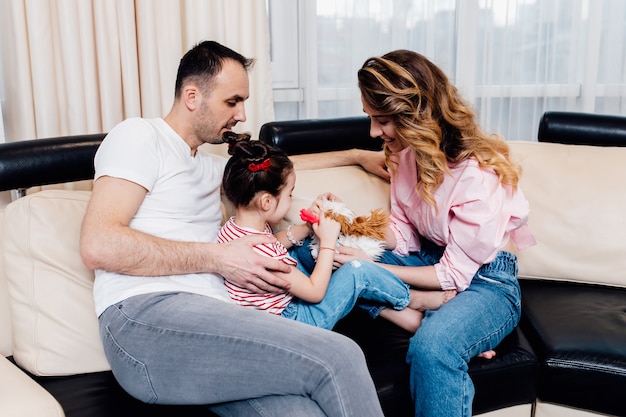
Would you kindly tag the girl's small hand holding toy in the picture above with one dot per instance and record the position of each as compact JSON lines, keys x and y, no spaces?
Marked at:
{"x":362,"y":232}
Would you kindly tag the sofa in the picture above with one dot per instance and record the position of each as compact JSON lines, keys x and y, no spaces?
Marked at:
{"x":567,"y":357}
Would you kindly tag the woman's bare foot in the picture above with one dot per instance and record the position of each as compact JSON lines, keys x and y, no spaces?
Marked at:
{"x":408,"y":319}
{"x":488,"y":354}
{"x":430,"y":300}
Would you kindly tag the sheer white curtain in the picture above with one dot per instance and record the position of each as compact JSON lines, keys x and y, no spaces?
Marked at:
{"x":81,"y":66}
{"x":513,"y":59}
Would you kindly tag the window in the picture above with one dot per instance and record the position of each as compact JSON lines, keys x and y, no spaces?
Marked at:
{"x":513,"y":59}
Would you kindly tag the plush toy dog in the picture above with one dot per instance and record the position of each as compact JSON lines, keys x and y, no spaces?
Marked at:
{"x":363,"y":232}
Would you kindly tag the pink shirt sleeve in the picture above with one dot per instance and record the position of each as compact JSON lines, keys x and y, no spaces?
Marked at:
{"x":477,"y":222}
{"x":407,"y":237}
{"x":476,"y":216}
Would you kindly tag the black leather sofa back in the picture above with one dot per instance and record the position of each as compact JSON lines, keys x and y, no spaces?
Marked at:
{"x":582,"y":129}
{"x":319,"y":135}
{"x":29,"y":163}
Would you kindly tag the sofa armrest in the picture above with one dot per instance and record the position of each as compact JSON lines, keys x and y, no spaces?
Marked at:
{"x":20,"y":396}
{"x":320,"y":135}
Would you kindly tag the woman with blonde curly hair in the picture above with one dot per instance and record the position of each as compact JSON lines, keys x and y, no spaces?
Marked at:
{"x":457,"y":217}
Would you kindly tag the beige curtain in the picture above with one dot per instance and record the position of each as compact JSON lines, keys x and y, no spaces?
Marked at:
{"x":81,"y":66}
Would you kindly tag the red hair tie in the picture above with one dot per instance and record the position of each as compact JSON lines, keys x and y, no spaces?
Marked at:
{"x":263,"y":166}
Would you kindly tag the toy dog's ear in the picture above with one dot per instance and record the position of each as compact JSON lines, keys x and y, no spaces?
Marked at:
{"x":343,"y":221}
{"x":374,"y":225}
{"x":379,"y":217}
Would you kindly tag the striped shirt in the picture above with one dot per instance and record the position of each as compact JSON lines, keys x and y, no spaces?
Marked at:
{"x":273,"y":303}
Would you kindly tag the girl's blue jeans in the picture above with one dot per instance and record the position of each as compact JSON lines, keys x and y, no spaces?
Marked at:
{"x":183,"y":348}
{"x":357,"y":281}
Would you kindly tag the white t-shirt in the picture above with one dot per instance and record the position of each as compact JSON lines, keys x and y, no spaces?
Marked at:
{"x":183,"y":203}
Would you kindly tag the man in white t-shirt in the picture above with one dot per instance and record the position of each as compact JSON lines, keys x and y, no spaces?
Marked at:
{"x":169,"y":329}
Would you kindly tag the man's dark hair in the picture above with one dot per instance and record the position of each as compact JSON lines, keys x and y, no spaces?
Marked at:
{"x":204,"y":61}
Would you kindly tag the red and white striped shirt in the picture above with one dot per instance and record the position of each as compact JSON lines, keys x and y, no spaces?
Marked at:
{"x":273,"y":303}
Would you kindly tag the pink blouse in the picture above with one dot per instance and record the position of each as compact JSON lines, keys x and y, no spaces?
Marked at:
{"x":476,"y":217}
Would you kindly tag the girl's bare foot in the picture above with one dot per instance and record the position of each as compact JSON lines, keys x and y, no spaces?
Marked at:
{"x":488,"y":354}
{"x":430,"y":300}
{"x":408,"y":319}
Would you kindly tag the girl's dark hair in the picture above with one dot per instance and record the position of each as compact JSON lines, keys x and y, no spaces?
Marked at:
{"x":253,"y":167}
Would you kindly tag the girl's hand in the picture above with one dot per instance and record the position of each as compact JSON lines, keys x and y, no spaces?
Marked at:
{"x":328,"y":196}
{"x":318,"y":203}
{"x":327,"y":231}
{"x":312,"y":214}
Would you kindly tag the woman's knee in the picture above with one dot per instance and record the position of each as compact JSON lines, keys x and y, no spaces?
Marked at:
{"x":424,"y":346}
{"x":432,"y":342}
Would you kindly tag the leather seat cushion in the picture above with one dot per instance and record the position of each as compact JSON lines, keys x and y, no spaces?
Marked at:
{"x":579,"y":334}
{"x":504,"y":381}
{"x":97,"y":394}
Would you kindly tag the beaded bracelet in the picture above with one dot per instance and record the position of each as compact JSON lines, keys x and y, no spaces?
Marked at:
{"x":291,"y":239}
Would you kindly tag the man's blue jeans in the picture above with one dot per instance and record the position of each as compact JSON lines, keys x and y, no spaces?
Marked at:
{"x":182,"y":348}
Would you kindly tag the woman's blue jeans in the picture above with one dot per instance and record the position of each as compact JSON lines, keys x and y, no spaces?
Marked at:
{"x":357,"y":281}
{"x":182,"y":348}
{"x":474,"y":321}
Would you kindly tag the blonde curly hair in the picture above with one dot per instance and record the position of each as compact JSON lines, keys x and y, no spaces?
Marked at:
{"x":432,"y":118}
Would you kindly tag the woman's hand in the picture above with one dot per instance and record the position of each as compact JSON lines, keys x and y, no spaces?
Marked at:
{"x":346,"y":254}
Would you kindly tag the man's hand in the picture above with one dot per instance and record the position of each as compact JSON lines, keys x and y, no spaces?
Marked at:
{"x":239,"y":263}
{"x":374,"y":162}
{"x":371,"y":161}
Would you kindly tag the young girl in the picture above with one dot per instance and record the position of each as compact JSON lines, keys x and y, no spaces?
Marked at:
{"x":258,"y":180}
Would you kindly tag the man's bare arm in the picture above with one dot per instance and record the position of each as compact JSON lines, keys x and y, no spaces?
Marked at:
{"x":371,"y":161}
{"x":108,"y":243}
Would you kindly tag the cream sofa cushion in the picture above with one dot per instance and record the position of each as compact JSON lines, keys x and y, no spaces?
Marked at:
{"x":5,"y":312}
{"x":543,"y":409}
{"x":55,"y":329}
{"x":577,"y":198}
{"x":23,"y":397}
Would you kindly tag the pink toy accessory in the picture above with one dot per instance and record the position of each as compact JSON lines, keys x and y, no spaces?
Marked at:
{"x":308,"y":217}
